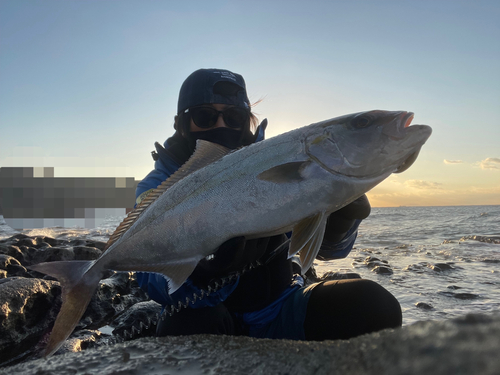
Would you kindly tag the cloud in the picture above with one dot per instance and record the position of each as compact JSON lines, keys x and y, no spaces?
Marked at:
{"x":420,"y":184}
{"x":490,"y":163}
{"x":446,"y":161}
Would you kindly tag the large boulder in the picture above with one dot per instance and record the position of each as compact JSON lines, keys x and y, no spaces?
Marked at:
{"x":28,"y":308}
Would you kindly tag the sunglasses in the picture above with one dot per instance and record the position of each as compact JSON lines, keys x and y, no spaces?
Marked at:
{"x":206,"y":117}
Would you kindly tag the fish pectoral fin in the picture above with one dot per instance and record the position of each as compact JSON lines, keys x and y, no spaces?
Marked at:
{"x":285,"y":173}
{"x":311,"y":248}
{"x":176,"y":273}
{"x":304,"y":231}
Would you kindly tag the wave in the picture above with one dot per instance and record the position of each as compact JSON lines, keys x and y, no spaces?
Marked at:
{"x":486,"y":239}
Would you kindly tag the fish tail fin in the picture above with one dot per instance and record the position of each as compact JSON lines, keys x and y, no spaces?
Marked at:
{"x":78,"y":286}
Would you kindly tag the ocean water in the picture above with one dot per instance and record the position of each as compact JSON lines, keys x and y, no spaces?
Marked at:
{"x":439,"y":262}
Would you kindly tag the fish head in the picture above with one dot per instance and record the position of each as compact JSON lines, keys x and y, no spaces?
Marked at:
{"x":367,"y":144}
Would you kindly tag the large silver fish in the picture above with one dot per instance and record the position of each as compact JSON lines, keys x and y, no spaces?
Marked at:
{"x":289,"y":182}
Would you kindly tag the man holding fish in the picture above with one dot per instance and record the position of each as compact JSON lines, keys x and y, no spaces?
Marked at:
{"x":209,"y":241}
{"x":266,"y":296}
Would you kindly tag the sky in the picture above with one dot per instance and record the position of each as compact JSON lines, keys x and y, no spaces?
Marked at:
{"x":88,"y":86}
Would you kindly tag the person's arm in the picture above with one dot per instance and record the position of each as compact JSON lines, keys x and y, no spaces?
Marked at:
{"x":342,"y":229}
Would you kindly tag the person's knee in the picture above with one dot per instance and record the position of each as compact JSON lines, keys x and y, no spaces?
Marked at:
{"x":382,"y":305}
{"x":347,"y":308}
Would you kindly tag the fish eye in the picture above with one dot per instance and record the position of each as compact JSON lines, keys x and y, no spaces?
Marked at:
{"x":361,"y":122}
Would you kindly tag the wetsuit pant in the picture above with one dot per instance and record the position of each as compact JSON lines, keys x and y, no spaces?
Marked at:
{"x":338,"y":309}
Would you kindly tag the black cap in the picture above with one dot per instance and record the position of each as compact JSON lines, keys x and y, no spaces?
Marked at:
{"x":213,"y":86}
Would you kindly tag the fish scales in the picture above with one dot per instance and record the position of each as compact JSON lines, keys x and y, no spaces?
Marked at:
{"x":234,"y":196}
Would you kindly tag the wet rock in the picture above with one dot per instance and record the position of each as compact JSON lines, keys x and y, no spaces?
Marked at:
{"x":97,"y":244}
{"x":11,"y":266}
{"x":424,"y":306}
{"x":383,"y":270}
{"x":13,"y":251}
{"x":86,"y":252}
{"x":81,"y":340}
{"x":114,"y":295}
{"x":378,"y":266}
{"x":51,"y":241}
{"x":486,"y":239}
{"x":372,"y":262}
{"x":81,"y":242}
{"x":30,"y":301}
{"x":465,"y":296}
{"x":138,"y":321}
{"x":369,"y":260}
{"x":28,"y":307}
{"x":53,"y":254}
{"x":28,"y":241}
{"x":439,"y":267}
{"x":330,"y":275}
{"x":404,"y":246}
{"x":15,"y":238}
{"x":418,"y":268}
{"x":487,"y":260}
{"x":38,"y":249}
{"x":312,"y":277}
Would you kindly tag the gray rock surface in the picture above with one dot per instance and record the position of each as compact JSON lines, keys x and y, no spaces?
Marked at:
{"x":30,"y":301}
{"x":138,"y":321}
{"x":27,"y":309}
{"x":466,"y":345}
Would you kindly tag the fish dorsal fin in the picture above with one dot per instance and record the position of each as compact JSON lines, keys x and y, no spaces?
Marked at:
{"x":305,"y":237}
{"x":205,"y":153}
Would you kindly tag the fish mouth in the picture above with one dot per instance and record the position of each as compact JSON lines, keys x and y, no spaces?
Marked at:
{"x":405,"y":123}
{"x":398,"y":127}
{"x":407,"y":119}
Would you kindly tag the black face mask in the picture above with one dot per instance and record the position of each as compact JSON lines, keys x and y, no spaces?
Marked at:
{"x":226,"y":137}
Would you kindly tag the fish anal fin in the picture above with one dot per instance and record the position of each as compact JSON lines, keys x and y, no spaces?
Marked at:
{"x":176,"y":273}
{"x":304,"y":231}
{"x":285,"y":173}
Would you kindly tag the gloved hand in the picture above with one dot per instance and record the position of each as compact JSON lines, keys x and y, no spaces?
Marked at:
{"x":341,"y":221}
{"x":232,"y":256}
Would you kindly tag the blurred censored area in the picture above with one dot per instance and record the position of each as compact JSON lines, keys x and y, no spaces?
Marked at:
{"x":34,"y":198}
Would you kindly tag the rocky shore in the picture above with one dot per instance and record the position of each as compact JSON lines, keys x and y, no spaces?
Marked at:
{"x":29,"y":302}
